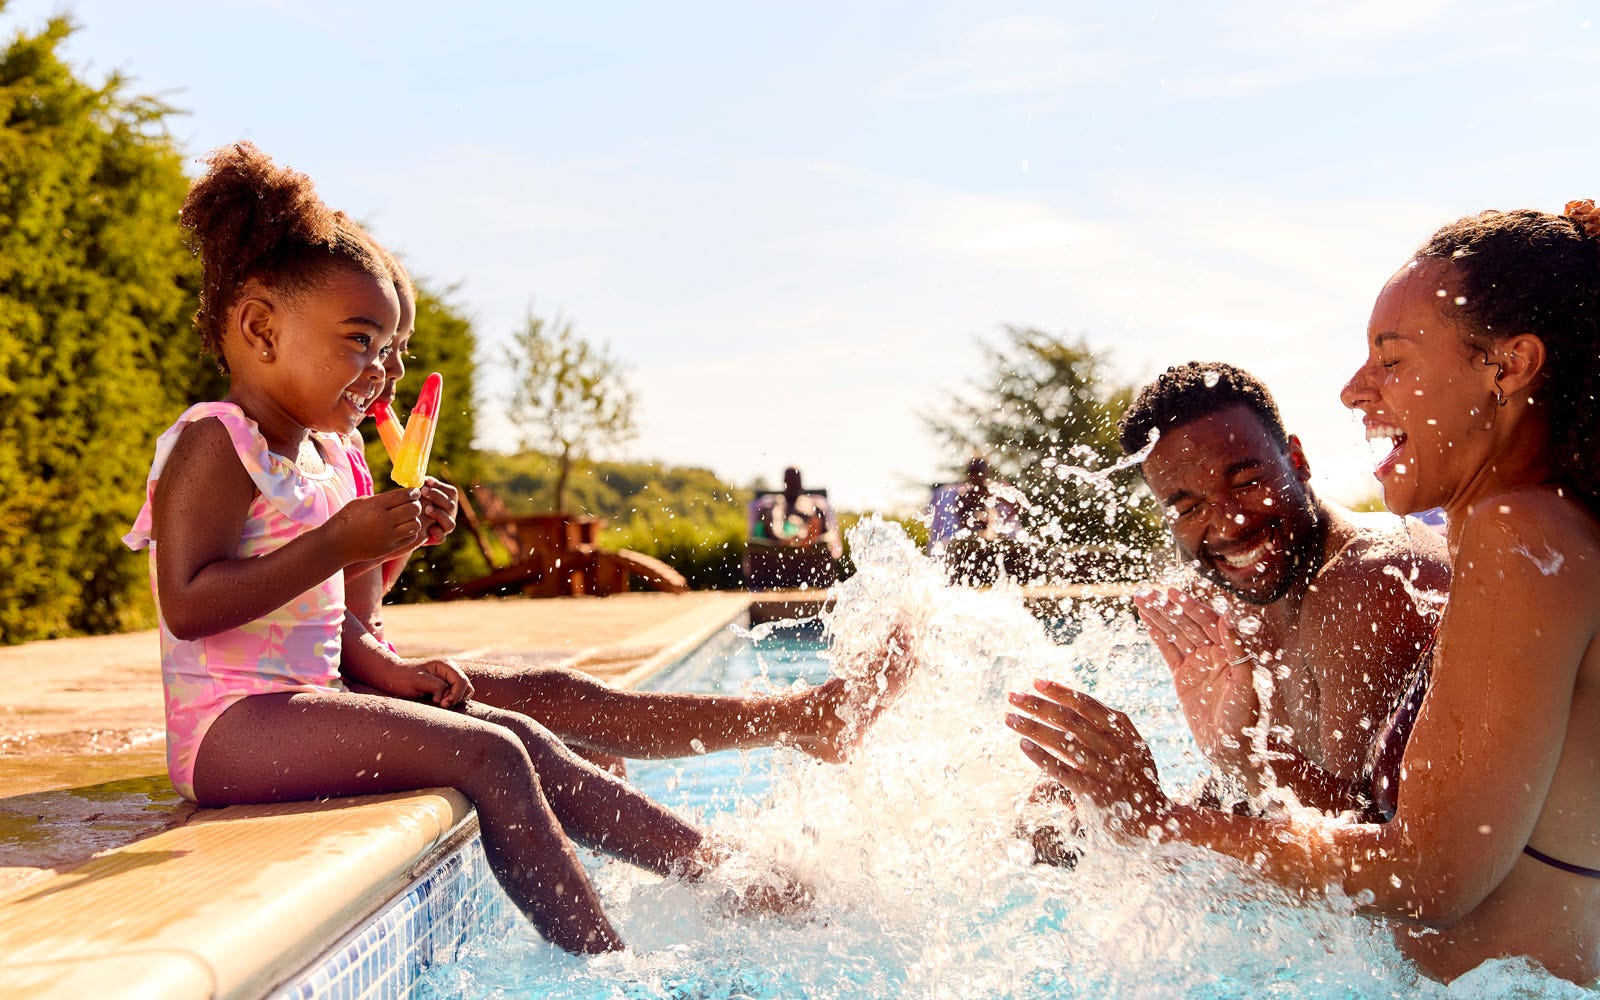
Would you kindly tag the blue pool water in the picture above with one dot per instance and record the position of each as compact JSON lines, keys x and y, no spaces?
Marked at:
{"x":923,"y":888}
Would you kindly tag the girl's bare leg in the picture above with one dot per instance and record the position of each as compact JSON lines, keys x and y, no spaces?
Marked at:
{"x":638,"y":724}
{"x":662,"y":724}
{"x":596,"y":808}
{"x":288,"y":747}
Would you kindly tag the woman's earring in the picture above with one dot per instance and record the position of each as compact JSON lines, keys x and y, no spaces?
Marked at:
{"x":1499,"y":395}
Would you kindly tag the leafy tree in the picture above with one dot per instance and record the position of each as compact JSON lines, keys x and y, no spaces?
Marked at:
{"x":1045,"y":415}
{"x":444,"y":342}
{"x":97,"y":350}
{"x":570,"y":397}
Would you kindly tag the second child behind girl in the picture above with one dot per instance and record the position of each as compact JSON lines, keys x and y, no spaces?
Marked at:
{"x":252,"y":517}
{"x":606,"y":724}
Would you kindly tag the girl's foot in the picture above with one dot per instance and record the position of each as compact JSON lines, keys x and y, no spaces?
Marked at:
{"x":771,"y":891}
{"x":838,"y":712}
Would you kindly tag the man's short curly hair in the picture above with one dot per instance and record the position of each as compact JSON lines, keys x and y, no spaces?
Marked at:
{"x":1185,"y":393}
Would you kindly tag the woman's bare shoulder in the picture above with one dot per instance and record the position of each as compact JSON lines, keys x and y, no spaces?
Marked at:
{"x":1537,"y":550}
{"x":1542,"y":518}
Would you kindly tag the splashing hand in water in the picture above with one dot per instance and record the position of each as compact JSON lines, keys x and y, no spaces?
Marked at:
{"x":1095,"y":752}
{"x":1214,"y":676}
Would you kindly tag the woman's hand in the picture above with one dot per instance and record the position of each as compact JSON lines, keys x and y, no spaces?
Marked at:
{"x":1211,"y":671}
{"x":1094,"y":751}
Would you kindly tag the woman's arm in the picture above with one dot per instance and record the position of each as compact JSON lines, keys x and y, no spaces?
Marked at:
{"x":201,"y":503}
{"x":1475,"y":773}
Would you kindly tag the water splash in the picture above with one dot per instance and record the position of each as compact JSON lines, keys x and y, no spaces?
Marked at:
{"x":924,"y":887}
{"x":1549,"y":563}
{"x":1430,"y":604}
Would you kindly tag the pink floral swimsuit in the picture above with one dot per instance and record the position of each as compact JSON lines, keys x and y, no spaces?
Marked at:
{"x":294,"y":648}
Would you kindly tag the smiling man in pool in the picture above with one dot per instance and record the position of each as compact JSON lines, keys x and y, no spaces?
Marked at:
{"x":1332,"y":608}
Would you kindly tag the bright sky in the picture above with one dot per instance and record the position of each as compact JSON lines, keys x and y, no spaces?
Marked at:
{"x":795,"y":222}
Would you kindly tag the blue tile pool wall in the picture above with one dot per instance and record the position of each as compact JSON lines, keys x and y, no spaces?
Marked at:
{"x":383,"y":959}
{"x":456,"y":901}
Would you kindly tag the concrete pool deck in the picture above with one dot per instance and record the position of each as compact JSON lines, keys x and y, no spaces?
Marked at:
{"x":113,"y":886}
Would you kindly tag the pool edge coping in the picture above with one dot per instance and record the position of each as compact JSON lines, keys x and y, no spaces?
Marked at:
{"x":165,"y":956}
{"x":156,"y":967}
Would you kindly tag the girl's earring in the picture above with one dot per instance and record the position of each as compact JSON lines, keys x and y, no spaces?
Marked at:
{"x":1499,"y":394}
{"x":267,"y":356}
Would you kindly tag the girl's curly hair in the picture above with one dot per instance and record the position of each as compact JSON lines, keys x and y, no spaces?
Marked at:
{"x":1532,"y":272}
{"x":249,"y":218}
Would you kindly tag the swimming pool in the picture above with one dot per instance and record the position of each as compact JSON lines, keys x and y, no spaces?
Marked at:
{"x":923,"y":888}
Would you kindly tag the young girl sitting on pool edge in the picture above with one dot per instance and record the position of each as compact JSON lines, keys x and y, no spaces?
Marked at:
{"x":251,"y":518}
{"x":604,"y":723}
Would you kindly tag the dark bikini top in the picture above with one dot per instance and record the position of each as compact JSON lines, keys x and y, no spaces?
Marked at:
{"x":1384,"y":756}
{"x":1389,"y":747}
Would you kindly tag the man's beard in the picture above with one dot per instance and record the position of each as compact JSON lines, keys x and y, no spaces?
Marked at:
{"x":1303,"y":550}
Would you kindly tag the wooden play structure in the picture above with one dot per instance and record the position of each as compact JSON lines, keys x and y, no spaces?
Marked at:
{"x":552,"y":555}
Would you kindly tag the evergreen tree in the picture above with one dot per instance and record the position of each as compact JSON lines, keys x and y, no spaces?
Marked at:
{"x":97,"y":348}
{"x":1045,"y":416}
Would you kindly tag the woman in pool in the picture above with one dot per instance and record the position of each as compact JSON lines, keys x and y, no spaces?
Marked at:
{"x":1483,"y":369}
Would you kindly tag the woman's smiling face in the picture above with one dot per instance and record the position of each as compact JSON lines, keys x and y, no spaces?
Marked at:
{"x":1423,"y":387}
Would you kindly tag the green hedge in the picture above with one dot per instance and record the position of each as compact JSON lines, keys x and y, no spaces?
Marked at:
{"x":97,"y":351}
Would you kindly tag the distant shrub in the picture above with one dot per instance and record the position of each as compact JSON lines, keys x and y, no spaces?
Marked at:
{"x":686,"y":517}
{"x":708,"y":554}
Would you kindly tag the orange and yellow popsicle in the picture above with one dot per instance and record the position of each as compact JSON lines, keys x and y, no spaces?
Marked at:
{"x":389,"y":430}
{"x":417,"y":444}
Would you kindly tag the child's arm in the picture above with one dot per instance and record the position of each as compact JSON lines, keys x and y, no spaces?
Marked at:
{"x":364,"y":659}
{"x":201,"y":502}
{"x":438,"y":520}
{"x":365,"y":584}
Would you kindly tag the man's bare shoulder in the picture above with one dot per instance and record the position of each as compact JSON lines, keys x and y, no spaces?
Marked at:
{"x":1375,"y":551}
